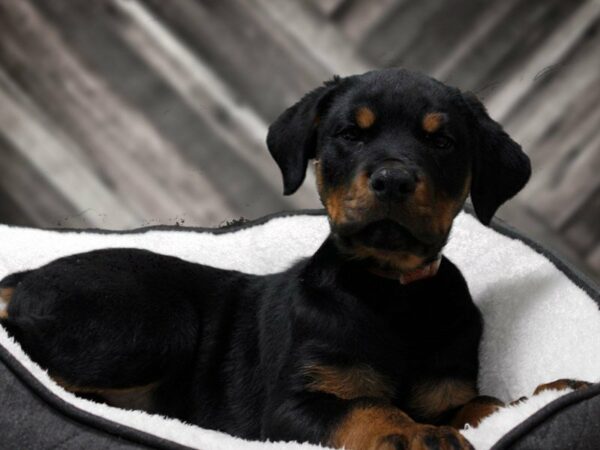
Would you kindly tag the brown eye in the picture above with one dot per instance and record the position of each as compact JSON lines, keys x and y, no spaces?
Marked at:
{"x":349,"y":134}
{"x":439,"y":141}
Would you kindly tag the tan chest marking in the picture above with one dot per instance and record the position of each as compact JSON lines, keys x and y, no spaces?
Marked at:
{"x":349,"y":382}
{"x":430,"y":398}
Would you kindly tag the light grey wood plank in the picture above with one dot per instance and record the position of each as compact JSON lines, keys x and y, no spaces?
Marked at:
{"x":398,"y":28}
{"x":577,"y":182}
{"x":53,"y":156}
{"x":268,"y":74}
{"x":317,"y":36}
{"x":203,"y":91}
{"x":144,"y":168}
{"x":556,"y":94}
{"x":157,"y":75}
{"x":361,"y":17}
{"x":30,"y":199}
{"x":559,"y":44}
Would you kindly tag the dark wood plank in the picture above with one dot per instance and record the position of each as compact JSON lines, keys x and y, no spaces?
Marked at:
{"x":268,"y":74}
{"x":582,"y":231}
{"x":510,"y":43}
{"x":439,"y":33}
{"x":397,"y":29}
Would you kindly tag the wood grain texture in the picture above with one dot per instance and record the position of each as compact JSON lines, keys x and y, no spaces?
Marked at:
{"x":120,"y":113}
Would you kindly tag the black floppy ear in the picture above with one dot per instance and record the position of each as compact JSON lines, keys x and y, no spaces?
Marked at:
{"x":500,"y":167}
{"x":292,"y":138}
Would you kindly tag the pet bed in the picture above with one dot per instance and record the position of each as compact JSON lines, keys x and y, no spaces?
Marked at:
{"x":542,"y":323}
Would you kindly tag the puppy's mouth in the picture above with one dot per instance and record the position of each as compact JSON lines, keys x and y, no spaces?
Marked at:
{"x":389,"y":235}
{"x":386,"y":235}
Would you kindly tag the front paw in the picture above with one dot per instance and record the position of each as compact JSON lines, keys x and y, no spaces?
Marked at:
{"x":562,"y":384}
{"x":426,"y":437}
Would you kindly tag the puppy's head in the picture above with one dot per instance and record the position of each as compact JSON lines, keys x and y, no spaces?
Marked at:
{"x":396,"y":154}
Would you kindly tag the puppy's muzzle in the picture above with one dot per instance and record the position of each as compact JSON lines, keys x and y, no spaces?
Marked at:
{"x":393,"y":184}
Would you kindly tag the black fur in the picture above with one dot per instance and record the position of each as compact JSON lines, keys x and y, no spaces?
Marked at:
{"x":228,"y":350}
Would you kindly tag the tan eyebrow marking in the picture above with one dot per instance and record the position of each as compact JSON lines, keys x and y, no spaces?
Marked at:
{"x":365,"y":117}
{"x":433,"y":121}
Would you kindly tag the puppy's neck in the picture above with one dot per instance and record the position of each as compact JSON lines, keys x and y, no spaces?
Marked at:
{"x":337,"y":259}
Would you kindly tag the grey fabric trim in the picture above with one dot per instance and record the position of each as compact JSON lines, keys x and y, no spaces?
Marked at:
{"x":79,"y":423}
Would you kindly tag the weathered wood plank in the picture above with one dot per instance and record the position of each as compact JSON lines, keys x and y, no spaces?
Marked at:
{"x":269,"y":74}
{"x":576,"y":123}
{"x":242,"y":130}
{"x":54,"y":157}
{"x":182,"y":99}
{"x":555,"y":94}
{"x":359,"y":17}
{"x":510,"y":43}
{"x":554,"y":49}
{"x":594,"y":261}
{"x":144,"y":168}
{"x":450,"y":64}
{"x":439,"y":33}
{"x":575,"y":182}
{"x":398,"y":28}
{"x":317,"y":35}
{"x":583,"y":229}
{"x":30,"y":199}
{"x":12,"y":212}
{"x":325,"y":7}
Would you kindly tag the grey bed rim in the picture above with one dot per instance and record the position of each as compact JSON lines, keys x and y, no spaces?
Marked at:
{"x":139,"y":437}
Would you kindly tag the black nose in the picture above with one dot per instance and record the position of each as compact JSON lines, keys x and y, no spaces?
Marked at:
{"x":393,"y":184}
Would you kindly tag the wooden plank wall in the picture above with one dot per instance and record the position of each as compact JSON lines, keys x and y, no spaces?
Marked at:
{"x":123,"y":113}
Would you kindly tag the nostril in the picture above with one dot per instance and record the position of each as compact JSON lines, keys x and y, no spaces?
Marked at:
{"x":378,"y":183}
{"x":406,"y":184}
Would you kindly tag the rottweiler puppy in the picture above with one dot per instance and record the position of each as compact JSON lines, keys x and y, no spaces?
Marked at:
{"x":371,"y":343}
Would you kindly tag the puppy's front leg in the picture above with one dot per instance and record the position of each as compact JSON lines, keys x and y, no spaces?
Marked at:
{"x":358,"y":424}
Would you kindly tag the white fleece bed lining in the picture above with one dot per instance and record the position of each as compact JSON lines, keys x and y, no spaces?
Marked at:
{"x":539,"y":326}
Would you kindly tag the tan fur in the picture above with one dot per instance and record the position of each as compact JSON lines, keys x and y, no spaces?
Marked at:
{"x":388,"y":428}
{"x":346,"y":203}
{"x":560,"y":385}
{"x":365,"y":117}
{"x":433,"y":121}
{"x":366,"y":428}
{"x":430,"y":398}
{"x":475,"y":411}
{"x":349,"y":382}
{"x":138,"y":397}
{"x":447,"y":208}
{"x":6,"y":295}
